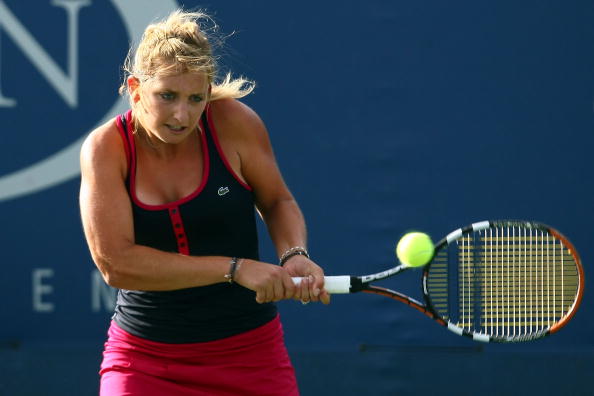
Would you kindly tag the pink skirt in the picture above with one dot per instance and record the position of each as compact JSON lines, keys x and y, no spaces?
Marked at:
{"x":253,"y":363}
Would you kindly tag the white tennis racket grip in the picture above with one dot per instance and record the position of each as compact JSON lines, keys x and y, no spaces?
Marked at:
{"x":333,"y":284}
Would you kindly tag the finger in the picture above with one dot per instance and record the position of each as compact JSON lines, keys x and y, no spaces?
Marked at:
{"x":270,"y":293}
{"x":289,"y":287}
{"x":263,"y":295}
{"x":279,"y":290}
{"x":319,"y":281}
{"x":306,"y":290}
{"x":299,"y":289}
{"x":325,"y":297}
{"x":303,"y":289}
{"x":259,"y":297}
{"x":314,"y":288}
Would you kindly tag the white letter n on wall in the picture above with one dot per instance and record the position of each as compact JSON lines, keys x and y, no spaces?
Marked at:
{"x":66,"y":85}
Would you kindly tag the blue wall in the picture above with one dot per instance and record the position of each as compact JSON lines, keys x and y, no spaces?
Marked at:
{"x":385,"y":116}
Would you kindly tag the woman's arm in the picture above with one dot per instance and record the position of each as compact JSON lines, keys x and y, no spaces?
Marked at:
{"x":107,"y":220}
{"x":276,"y":204}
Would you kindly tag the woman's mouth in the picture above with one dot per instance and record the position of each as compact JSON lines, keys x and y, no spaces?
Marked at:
{"x":176,"y":128}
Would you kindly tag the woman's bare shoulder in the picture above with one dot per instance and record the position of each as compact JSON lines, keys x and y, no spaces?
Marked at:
{"x":103,"y":146}
{"x":234,"y":117}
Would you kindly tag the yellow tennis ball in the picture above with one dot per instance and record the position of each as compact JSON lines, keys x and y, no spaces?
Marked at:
{"x":415,"y":249}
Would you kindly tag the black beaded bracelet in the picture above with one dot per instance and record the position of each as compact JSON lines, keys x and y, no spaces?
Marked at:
{"x":294,"y":251}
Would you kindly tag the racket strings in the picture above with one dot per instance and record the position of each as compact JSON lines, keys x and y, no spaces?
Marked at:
{"x":532,"y":281}
{"x":504,"y":281}
{"x":437,"y":284}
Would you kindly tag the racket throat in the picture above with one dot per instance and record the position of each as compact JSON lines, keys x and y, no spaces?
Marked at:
{"x":357,"y":284}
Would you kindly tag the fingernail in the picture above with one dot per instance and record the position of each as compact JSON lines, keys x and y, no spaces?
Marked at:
{"x":316,"y":292}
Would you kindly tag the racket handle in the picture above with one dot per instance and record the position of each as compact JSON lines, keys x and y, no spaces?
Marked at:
{"x":333,"y":284}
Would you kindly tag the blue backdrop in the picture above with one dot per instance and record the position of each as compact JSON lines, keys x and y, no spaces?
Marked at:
{"x":385,"y":116}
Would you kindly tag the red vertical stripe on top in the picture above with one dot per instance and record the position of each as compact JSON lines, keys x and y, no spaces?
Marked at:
{"x":179,"y":231}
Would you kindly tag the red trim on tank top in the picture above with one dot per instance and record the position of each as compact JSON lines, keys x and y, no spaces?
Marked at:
{"x":169,"y":205}
{"x":215,"y":138}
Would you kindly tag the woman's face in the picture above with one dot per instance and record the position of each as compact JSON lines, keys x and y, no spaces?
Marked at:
{"x":171,"y":106}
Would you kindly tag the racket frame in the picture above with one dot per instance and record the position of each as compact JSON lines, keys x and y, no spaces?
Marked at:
{"x":354,"y":284}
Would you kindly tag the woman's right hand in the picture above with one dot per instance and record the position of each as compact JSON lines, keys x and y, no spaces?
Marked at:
{"x":270,"y":282}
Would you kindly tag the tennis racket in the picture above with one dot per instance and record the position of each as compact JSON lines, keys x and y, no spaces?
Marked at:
{"x":492,"y":281}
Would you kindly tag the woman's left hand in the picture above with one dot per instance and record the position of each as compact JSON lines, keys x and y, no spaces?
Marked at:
{"x":312,"y":285}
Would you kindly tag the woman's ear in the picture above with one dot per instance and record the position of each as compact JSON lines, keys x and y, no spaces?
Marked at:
{"x":133,"y":85}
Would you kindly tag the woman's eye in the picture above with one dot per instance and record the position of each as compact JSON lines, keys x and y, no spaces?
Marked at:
{"x":166,"y":95}
{"x":196,"y":98}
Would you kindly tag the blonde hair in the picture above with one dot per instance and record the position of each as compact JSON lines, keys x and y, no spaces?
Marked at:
{"x":179,"y":44}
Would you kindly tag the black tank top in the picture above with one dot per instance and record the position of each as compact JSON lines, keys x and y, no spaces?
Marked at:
{"x":218,"y":219}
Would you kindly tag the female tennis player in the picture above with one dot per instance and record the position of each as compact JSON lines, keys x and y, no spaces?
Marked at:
{"x":168,"y":199}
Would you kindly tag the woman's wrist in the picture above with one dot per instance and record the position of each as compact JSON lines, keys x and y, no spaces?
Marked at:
{"x":234,"y":266}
